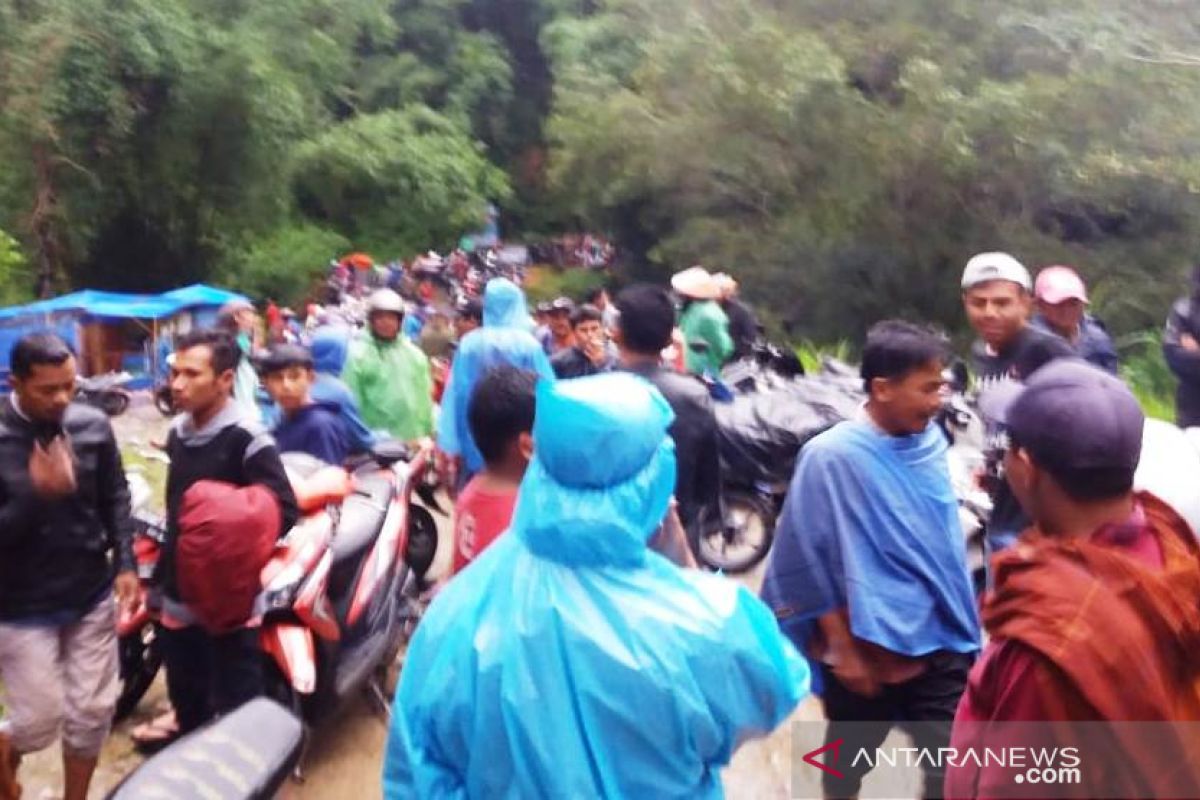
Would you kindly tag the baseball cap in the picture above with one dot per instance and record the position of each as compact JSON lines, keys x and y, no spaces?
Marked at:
{"x":283,"y":356}
{"x":1059,"y":284}
{"x":1071,"y":415}
{"x":987,"y":267}
{"x":561,"y":305}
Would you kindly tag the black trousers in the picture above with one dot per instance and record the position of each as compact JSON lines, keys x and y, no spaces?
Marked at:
{"x":210,"y":675}
{"x":923,"y":707}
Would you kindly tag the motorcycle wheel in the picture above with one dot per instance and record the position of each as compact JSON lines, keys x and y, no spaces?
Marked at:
{"x":114,"y":403}
{"x":422,"y":540}
{"x":744,"y":540}
{"x":163,"y":402}
{"x":139,"y":659}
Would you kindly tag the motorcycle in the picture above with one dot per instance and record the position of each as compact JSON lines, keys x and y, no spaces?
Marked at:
{"x":761,"y":438}
{"x":106,"y":392}
{"x":249,"y":753}
{"x":333,"y":607}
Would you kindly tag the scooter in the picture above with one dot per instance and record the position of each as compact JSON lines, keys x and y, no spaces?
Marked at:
{"x":247,"y":754}
{"x":333,"y":608}
{"x":106,"y":392}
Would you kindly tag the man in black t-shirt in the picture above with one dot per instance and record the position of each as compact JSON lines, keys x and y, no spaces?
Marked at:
{"x":998,"y":298}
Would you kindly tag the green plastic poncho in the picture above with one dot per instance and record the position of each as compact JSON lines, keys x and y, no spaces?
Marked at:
{"x":569,"y":660}
{"x":393,"y":386}
{"x":704,"y":321}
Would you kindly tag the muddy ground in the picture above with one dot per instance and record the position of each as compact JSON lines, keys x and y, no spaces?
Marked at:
{"x":345,"y":756}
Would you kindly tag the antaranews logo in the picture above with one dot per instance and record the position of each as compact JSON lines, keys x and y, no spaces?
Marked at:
{"x":836,"y":748}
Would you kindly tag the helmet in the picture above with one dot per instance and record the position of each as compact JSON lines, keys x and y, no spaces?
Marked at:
{"x":385,"y":300}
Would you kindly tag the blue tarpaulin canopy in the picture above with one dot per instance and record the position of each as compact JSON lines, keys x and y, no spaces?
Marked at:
{"x":62,"y":314}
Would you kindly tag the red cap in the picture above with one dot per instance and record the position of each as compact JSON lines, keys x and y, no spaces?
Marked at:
{"x":1059,"y":284}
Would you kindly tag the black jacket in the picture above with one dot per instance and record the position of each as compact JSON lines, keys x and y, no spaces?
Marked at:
{"x":55,"y":554}
{"x":1184,"y":320}
{"x":572,"y":363}
{"x":697,"y":449}
{"x":743,"y":326}
{"x":229,"y":449}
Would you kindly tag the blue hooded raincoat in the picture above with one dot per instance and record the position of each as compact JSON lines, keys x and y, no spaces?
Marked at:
{"x":568,"y":660}
{"x":505,"y":338}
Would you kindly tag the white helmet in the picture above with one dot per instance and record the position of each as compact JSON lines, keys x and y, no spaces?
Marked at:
{"x":385,"y":300}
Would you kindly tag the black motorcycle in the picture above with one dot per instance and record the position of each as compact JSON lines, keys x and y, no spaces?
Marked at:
{"x":105,"y":392}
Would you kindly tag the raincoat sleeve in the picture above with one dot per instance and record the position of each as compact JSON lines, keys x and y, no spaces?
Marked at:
{"x":449,"y":440}
{"x":423,"y":387}
{"x":352,"y":376}
{"x":541,"y":364}
{"x":714,"y":328}
{"x":771,"y":677}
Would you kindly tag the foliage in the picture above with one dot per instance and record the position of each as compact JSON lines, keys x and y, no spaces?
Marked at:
{"x":813,"y":356}
{"x":16,"y":283}
{"x":548,"y":283}
{"x":286,"y":264}
{"x":1145,"y":370}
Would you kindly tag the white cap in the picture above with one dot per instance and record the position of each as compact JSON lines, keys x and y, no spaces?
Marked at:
{"x":987,"y":267}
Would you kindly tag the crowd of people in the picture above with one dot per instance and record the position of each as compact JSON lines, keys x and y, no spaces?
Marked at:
{"x":576,"y":649}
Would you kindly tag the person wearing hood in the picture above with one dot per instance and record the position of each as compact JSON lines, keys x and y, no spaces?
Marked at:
{"x":505,"y":338}
{"x":570,"y":660}
{"x":306,"y":426}
{"x":702,"y":321}
{"x":239,"y":319}
{"x":389,"y":375}
{"x":1093,"y":616}
{"x":329,"y":346}
{"x":1181,"y":347}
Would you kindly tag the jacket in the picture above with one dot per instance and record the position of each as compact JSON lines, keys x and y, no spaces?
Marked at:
{"x":505,"y":338}
{"x":1094,"y":344}
{"x":694,"y":431}
{"x":54,"y":554}
{"x":704,"y":321}
{"x":316,"y":429}
{"x":1184,"y":321}
{"x":743,"y":326}
{"x":231,"y":448}
{"x":393,"y":386}
{"x":572,"y":363}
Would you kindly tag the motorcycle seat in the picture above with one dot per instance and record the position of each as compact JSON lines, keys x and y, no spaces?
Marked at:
{"x":247,"y":753}
{"x":358,"y":527}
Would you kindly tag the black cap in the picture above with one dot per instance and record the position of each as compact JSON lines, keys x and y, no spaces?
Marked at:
{"x":470,"y":308}
{"x":543,"y":307}
{"x":1071,"y":415}
{"x":282,"y":356}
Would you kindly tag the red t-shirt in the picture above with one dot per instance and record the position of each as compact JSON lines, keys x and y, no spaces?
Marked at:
{"x":480,"y":516}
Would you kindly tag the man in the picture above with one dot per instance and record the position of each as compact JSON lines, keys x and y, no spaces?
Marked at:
{"x":389,"y":375}
{"x":558,"y":326}
{"x":239,"y":319}
{"x":503,"y":339}
{"x":599,"y":298}
{"x":1093,"y":617}
{"x":468,"y":317}
{"x":868,"y":574}
{"x":329,"y":346}
{"x":645,"y":320}
{"x":590,"y":355}
{"x":65,"y":532}
{"x":1062,"y":303}
{"x":996,"y":295}
{"x":437,"y":337}
{"x":743,"y":325}
{"x":570,"y":661}
{"x":702,"y":321}
{"x":997,"y":298}
{"x":1181,"y":347}
{"x":305,"y":425}
{"x":211,"y":441}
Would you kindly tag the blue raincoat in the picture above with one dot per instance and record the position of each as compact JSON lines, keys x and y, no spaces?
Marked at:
{"x":570,"y":661}
{"x":505,"y":338}
{"x":329,"y":347}
{"x":871,"y":524}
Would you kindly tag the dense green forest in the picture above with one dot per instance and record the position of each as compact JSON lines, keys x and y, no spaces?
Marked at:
{"x":842,"y":159}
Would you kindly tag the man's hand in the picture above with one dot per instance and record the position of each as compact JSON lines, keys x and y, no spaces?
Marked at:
{"x":855,"y":673}
{"x":1189,"y":343}
{"x":52,"y":468}
{"x":595,"y":352}
{"x":671,"y":540}
{"x":128,"y":590}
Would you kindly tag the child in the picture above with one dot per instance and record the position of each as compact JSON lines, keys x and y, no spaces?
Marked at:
{"x":306,"y":426}
{"x":500,"y":415}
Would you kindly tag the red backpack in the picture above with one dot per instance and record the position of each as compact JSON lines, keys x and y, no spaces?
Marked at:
{"x":227,"y":534}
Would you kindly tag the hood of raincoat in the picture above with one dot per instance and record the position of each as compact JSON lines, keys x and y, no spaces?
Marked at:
{"x":504,"y":306}
{"x":579,"y":509}
{"x":329,"y":346}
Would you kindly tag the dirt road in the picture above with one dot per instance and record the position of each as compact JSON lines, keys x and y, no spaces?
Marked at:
{"x":345,"y":756}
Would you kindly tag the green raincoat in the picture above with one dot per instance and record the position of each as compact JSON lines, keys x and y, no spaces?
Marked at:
{"x":705,"y":321}
{"x":393,"y":387}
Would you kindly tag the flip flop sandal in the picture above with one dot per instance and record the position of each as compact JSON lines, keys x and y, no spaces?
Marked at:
{"x":150,"y":737}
